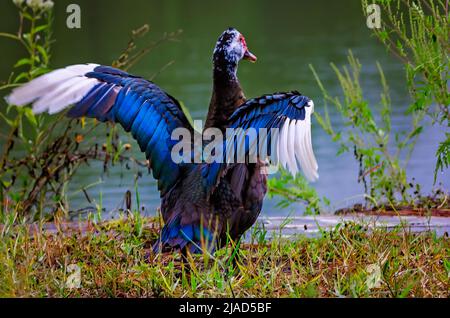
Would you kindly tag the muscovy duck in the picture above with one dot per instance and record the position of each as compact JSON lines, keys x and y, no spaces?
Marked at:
{"x":205,"y":204}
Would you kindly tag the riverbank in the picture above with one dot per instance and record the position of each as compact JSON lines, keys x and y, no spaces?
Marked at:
{"x":109,"y":260}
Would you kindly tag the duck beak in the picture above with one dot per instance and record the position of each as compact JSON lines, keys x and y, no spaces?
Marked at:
{"x":249,"y":56}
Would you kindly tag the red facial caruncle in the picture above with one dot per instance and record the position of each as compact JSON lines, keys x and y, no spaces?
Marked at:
{"x":247,"y":54}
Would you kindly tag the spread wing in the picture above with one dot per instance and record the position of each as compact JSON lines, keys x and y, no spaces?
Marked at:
{"x":286,"y":117}
{"x":109,"y":94}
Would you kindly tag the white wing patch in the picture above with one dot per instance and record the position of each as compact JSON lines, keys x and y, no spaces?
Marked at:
{"x":56,"y":90}
{"x":295,"y":146}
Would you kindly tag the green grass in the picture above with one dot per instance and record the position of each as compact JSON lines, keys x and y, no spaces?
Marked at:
{"x":349,"y":261}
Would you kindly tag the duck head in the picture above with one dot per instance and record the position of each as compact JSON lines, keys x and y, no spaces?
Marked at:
{"x":230,"y":49}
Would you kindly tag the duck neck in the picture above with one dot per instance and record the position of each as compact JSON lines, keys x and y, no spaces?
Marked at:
{"x":227,"y":95}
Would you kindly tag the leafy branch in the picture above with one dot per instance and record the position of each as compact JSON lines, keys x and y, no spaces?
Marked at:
{"x":417,"y":33}
{"x":380,"y":168}
{"x":41,"y":154}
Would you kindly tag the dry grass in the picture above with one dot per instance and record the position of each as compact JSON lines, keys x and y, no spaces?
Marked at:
{"x":348,"y":261}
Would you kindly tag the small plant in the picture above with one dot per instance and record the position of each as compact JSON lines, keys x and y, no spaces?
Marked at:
{"x":380,"y":169}
{"x":417,"y":33}
{"x":26,"y":130}
{"x":41,"y":154}
{"x":293,"y":190}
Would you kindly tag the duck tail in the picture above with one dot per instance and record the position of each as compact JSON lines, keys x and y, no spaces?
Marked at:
{"x":174,"y":235}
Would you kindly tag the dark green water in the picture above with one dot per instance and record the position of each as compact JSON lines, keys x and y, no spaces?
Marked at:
{"x":285,"y":35}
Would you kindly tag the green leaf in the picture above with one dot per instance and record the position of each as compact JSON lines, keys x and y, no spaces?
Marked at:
{"x":20,"y":77}
{"x":39,"y":71}
{"x":43,"y":54}
{"x":6,"y":184}
{"x":23,"y":61}
{"x":27,"y":15}
{"x":416,"y":131}
{"x":41,"y":28}
{"x":31,"y":117}
{"x":443,"y":156}
{"x":8,"y":121}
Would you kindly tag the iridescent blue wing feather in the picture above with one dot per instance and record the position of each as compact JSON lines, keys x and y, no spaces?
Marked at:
{"x":109,"y":94}
{"x":286,"y":119}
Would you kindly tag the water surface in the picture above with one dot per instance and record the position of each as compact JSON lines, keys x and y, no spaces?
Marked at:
{"x":286,"y":36}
